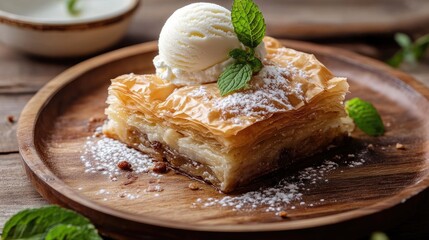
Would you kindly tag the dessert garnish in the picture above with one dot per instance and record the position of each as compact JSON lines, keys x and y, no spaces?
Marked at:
{"x":411,"y":52}
{"x":195,"y":42}
{"x":49,"y":222}
{"x":249,"y":25}
{"x":71,"y":7}
{"x":365,"y":116}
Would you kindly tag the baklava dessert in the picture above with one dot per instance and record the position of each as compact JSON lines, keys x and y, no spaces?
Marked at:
{"x":291,"y":108}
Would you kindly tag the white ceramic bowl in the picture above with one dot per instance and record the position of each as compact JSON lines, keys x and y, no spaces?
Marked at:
{"x":46,"y":28}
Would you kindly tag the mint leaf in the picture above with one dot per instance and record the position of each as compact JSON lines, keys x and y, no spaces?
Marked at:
{"x":34,"y":223}
{"x":397,"y":59}
{"x":71,"y":232}
{"x":403,"y":40}
{"x":235,"y":77}
{"x":71,"y":7}
{"x":365,"y":116}
{"x":243,"y":56}
{"x":410,"y":52}
{"x":379,"y":236}
{"x":249,"y":25}
{"x":248,"y":22}
{"x":421,"y":45}
{"x":256,"y":65}
{"x":239,"y":54}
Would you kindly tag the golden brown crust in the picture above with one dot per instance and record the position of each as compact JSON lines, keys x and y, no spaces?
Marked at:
{"x":294,"y":105}
{"x":289,"y":80}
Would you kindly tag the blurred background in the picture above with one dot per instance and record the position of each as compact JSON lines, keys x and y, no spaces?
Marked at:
{"x":308,"y":19}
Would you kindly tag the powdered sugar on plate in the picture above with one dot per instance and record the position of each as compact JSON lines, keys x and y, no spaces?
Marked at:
{"x":102,"y":155}
{"x":287,"y":192}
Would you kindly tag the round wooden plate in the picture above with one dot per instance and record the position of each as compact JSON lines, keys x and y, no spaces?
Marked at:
{"x":357,"y":199}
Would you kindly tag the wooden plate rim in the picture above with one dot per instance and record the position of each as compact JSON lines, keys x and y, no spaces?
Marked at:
{"x":32,"y":159}
{"x":306,"y":30}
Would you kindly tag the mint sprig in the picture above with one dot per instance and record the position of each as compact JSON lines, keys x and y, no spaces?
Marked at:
{"x":249,"y":25}
{"x":248,"y":22}
{"x":71,"y":7}
{"x":411,"y":52}
{"x":365,"y":116}
{"x":235,"y":76}
{"x":51,"y":222}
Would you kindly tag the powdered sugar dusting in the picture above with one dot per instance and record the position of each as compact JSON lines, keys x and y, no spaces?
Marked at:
{"x":102,"y":155}
{"x":268,"y":95}
{"x":269,"y":92}
{"x":287,"y":193}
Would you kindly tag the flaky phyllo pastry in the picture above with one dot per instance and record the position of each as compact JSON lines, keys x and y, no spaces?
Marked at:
{"x":293,"y":108}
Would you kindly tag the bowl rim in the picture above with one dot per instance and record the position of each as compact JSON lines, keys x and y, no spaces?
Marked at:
{"x":30,"y":23}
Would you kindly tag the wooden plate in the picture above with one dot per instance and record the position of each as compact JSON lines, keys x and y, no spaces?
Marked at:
{"x":355,"y":200}
{"x":306,"y":19}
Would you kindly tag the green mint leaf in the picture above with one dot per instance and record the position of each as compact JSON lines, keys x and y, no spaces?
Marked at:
{"x":249,"y":25}
{"x":420,"y":46}
{"x":409,"y":56}
{"x":379,"y":236}
{"x":365,"y":116}
{"x":410,"y":52}
{"x":71,"y":7}
{"x":397,"y":59}
{"x":248,"y":22}
{"x":403,"y":40}
{"x":71,"y":232}
{"x":256,"y":65}
{"x":34,"y":223}
{"x":239,"y":54}
{"x":235,"y":77}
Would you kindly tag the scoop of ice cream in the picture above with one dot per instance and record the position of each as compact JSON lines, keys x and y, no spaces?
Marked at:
{"x":194,"y":44}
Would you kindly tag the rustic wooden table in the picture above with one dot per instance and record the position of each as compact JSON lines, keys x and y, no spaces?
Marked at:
{"x":21,"y":76}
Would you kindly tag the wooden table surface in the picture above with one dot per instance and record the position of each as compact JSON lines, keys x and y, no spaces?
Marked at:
{"x":21,"y":76}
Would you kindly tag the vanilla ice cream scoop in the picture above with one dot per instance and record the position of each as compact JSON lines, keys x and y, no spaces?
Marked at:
{"x":194,"y":44}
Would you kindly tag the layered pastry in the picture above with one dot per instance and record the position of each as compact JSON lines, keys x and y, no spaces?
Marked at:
{"x":291,"y":109}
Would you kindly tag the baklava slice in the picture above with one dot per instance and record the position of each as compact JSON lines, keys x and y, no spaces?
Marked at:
{"x":292,"y":109}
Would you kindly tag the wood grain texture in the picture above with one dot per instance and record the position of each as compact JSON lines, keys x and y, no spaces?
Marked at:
{"x":355,"y":197}
{"x":16,"y":192}
{"x":10,"y":109}
{"x":26,"y":74}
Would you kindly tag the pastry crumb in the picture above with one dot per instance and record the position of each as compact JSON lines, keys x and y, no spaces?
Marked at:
{"x":154,"y":188}
{"x":11,"y":119}
{"x":283,"y":214}
{"x":125,"y":165}
{"x":400,"y":146}
{"x":193,"y":186}
{"x":95,"y":119}
{"x":131,"y":178}
{"x":159,"y":167}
